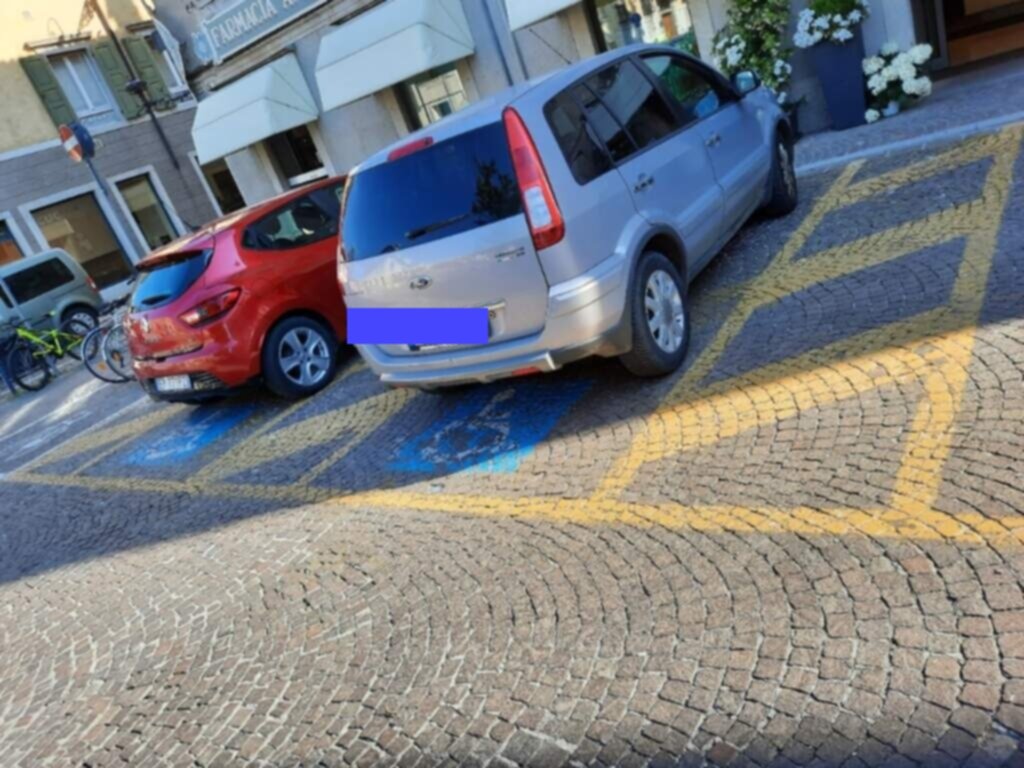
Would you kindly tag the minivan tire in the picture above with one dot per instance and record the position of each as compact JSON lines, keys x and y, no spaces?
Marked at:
{"x":81,"y":313}
{"x":648,"y":358}
{"x":784,"y":192}
{"x":304,"y":336}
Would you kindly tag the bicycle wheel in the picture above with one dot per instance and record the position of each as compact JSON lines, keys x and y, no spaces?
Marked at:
{"x":117,"y":355}
{"x":71,"y":334}
{"x":29,"y":370}
{"x":92,"y":356}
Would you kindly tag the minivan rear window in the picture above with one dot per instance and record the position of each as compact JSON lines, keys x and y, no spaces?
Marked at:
{"x":168,"y":282}
{"x":443,"y":190}
{"x":33,"y":282}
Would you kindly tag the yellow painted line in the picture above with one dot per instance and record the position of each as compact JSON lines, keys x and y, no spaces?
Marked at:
{"x":930,"y":352}
{"x":867,"y":252}
{"x":709,"y":519}
{"x":288,"y":493}
{"x":224,"y":466}
{"x":358,"y":419}
{"x":624,"y":469}
{"x":372,"y":414}
{"x":97,"y":442}
{"x":970,"y":151}
{"x":663,"y":435}
{"x":929,"y":439}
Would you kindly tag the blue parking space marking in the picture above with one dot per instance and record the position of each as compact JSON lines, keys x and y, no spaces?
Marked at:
{"x":201,"y":428}
{"x":491,"y":429}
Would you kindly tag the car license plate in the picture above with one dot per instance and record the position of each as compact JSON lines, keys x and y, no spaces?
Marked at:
{"x":491,"y":313}
{"x":174,"y":384}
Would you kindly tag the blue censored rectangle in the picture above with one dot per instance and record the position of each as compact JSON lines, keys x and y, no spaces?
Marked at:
{"x":418,"y":326}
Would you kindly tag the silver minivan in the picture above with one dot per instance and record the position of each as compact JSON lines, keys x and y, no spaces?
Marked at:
{"x":576,"y":208}
{"x":49,"y":284}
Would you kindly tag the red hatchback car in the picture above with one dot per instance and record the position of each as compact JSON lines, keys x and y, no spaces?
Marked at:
{"x":251,"y":297}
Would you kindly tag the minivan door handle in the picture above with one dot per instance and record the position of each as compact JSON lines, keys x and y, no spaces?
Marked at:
{"x":643,"y":182}
{"x":420,"y":283}
{"x":713,"y":140}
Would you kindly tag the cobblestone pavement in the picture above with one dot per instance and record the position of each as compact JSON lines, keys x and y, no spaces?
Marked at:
{"x":805,"y":549}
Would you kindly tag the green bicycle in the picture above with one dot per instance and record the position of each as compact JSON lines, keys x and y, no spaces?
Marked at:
{"x":31,"y":359}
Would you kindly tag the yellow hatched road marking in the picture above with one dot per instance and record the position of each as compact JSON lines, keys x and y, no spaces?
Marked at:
{"x":929,"y":353}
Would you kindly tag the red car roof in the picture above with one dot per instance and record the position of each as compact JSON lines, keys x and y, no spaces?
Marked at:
{"x":203,"y":237}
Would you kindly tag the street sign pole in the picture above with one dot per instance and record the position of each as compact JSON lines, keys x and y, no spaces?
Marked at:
{"x":81,"y":148}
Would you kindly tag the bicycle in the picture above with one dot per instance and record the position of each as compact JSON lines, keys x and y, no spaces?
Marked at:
{"x":31,"y":360}
{"x":109,"y":362}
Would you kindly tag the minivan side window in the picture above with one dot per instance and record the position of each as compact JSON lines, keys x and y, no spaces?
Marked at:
{"x":634,"y":101}
{"x":38,"y":279}
{"x":587,"y":160}
{"x":608,"y":129}
{"x":305,"y":220}
{"x":693,"y":92}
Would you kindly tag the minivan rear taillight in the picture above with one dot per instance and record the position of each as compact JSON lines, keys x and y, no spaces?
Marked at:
{"x":92,"y":284}
{"x":546,"y":223}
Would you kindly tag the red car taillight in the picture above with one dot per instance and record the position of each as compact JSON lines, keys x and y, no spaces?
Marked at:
{"x":92,"y":284}
{"x":212,"y":308}
{"x":546,"y":223}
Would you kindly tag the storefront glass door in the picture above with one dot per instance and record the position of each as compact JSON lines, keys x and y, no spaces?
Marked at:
{"x":79,"y":226}
{"x":624,"y":22}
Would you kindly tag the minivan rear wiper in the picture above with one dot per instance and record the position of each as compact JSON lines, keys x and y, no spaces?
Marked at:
{"x":415,"y":234}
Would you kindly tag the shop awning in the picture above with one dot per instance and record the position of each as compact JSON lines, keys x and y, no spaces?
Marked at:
{"x":523,"y":13}
{"x":270,"y":100}
{"x":394,"y":42}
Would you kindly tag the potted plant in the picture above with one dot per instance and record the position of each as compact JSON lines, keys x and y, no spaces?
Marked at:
{"x":754,"y":40}
{"x":831,"y":30}
{"x":895,"y":79}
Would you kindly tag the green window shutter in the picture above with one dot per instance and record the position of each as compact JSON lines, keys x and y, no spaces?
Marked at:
{"x":50,"y":93}
{"x":117,"y":77}
{"x":145,"y":65}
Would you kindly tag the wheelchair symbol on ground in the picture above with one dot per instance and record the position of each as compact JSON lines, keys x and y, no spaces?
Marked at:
{"x":493,"y":429}
{"x":201,"y":428}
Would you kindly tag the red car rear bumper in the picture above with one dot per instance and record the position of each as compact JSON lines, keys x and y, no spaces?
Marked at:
{"x":233,"y":363}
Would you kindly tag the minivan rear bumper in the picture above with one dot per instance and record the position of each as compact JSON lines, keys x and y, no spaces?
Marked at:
{"x":585,"y":316}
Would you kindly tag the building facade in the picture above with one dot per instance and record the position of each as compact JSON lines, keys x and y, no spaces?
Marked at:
{"x":61,"y":66}
{"x":294,"y":90}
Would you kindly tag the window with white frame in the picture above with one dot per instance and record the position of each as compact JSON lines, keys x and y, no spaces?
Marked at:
{"x":148,"y":210}
{"x":83,"y":85}
{"x":434,"y":95}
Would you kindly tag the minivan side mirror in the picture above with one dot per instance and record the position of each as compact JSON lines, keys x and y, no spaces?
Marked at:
{"x":745,"y":82}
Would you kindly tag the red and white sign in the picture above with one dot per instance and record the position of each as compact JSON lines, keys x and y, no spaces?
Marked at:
{"x":71,"y":144}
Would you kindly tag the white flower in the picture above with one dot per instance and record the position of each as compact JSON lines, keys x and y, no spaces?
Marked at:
{"x":806,"y":40}
{"x":783,"y":97}
{"x":872,"y":65}
{"x":782,"y":69}
{"x":856,"y":16}
{"x":821,"y":22}
{"x":872,"y":115}
{"x":877,"y":84}
{"x":919,"y":54}
{"x":843,"y":35}
{"x":890,"y":49}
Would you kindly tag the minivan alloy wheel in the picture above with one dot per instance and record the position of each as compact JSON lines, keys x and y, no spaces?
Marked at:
{"x":304,"y":356}
{"x":663,"y":306}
